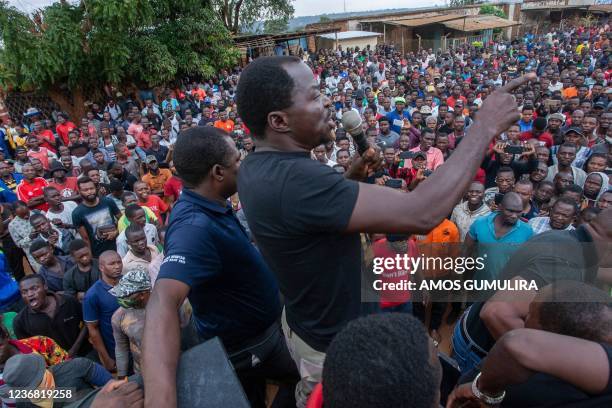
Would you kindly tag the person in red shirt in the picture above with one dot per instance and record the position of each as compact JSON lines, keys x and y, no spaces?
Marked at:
{"x":538,"y":132}
{"x":64,"y":126}
{"x":143,"y":138}
{"x":390,"y":247}
{"x":173,"y":187}
{"x":456,"y":95}
{"x":67,"y":186}
{"x":30,"y":189}
{"x":38,"y":152}
{"x":145,"y":198}
{"x":45,"y":137}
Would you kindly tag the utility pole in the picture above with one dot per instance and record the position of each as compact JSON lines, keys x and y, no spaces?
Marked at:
{"x":345,"y":6}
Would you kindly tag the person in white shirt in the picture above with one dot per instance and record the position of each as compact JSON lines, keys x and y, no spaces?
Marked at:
{"x":320,"y":154}
{"x":466,"y":212}
{"x":135,"y":214}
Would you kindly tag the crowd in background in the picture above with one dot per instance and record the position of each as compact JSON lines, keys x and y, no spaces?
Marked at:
{"x":86,"y":202}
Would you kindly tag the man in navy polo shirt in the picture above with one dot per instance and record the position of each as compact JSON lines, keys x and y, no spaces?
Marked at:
{"x":99,"y":306}
{"x":210,"y":259}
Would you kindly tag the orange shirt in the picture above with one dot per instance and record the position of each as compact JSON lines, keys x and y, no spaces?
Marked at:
{"x":227,"y":125}
{"x":569,"y":92}
{"x":444,"y":242}
{"x":156,"y":182}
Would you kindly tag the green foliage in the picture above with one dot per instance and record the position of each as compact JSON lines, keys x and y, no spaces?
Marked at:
{"x":276,"y":26}
{"x":100,"y":42}
{"x":324,"y":19}
{"x":237,"y":14}
{"x":492,"y":10}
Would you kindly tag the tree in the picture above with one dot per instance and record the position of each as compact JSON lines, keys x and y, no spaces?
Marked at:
{"x":459,"y":3}
{"x":70,"y":50}
{"x":276,"y":26}
{"x":236,"y":14}
{"x":492,"y":10}
{"x":324,"y":19}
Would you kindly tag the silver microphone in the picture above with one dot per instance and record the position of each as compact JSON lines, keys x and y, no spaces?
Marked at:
{"x":351,"y":122}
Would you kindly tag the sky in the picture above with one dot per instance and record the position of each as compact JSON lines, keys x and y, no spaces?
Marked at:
{"x":302,"y":7}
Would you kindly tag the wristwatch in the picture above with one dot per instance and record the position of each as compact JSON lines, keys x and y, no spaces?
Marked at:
{"x":487,"y":399}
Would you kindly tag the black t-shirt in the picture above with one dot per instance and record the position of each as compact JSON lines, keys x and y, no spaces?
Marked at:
{"x":97,"y":219}
{"x":545,"y":258}
{"x":298,"y":210}
{"x":64,"y":328}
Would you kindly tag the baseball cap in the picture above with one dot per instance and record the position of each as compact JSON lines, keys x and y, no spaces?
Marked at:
{"x":150,"y":159}
{"x":425,"y":110}
{"x":574,"y":129}
{"x":135,"y":280}
{"x":420,"y":154}
{"x":24,"y":370}
{"x":399,"y":99}
{"x":600,"y":105}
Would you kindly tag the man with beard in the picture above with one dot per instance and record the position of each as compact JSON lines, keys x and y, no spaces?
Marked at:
{"x":562,"y":215}
{"x":98,"y":308}
{"x":498,"y":236}
{"x":53,"y":315}
{"x":565,"y":157}
{"x":465,"y":213}
{"x":332,"y":211}
{"x":96,"y":218}
{"x":555,"y":121}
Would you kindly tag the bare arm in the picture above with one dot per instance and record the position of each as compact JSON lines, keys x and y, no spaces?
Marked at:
{"x":95,"y":338}
{"x":507,"y":310}
{"x":412,"y":212}
{"x":520,"y":353}
{"x":523,"y":352}
{"x":84,"y":236}
{"x":161,"y":343}
{"x":79,"y":341}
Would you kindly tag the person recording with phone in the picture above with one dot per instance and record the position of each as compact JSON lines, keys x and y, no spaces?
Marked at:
{"x":521,"y":158}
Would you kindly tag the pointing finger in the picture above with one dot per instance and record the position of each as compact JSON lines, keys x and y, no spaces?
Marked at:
{"x":517,"y":82}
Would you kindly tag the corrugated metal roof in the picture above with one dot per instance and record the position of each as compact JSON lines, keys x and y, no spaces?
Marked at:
{"x":480,"y":22}
{"x":603,"y":8}
{"x":345,"y":35}
{"x":419,"y":21}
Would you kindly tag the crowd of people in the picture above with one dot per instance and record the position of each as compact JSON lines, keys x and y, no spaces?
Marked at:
{"x":241,"y":208}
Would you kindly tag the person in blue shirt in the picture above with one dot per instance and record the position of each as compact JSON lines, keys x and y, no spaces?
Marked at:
{"x":10,"y":298}
{"x":8,"y":183}
{"x":210,"y":260}
{"x":526,"y":122}
{"x":497,"y":236}
{"x":398,"y":115}
{"x":99,"y":306}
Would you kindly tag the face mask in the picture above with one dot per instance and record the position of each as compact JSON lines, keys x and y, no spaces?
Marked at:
{"x":128,"y":303}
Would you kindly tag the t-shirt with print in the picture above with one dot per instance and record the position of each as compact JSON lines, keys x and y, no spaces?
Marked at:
{"x":156,"y":204}
{"x":68,"y":188}
{"x":298,"y":210}
{"x":104,"y":214}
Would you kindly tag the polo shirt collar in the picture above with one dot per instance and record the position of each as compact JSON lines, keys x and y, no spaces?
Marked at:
{"x":199,"y":200}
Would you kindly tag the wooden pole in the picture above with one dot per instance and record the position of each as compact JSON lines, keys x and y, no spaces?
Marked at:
{"x":384,"y":33}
